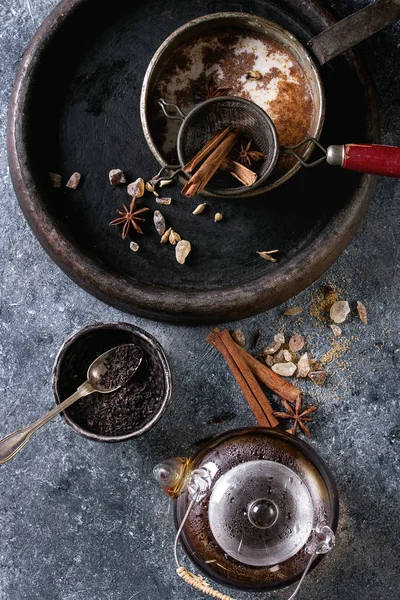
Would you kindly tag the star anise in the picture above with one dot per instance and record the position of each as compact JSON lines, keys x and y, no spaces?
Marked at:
{"x":297,"y":416}
{"x":247,"y":155}
{"x":129,"y":217}
{"x":212,"y":89}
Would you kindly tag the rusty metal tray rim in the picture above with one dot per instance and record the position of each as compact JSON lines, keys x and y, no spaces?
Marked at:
{"x":131,"y":295}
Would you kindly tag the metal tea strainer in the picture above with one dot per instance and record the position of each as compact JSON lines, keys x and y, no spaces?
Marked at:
{"x":214,"y":115}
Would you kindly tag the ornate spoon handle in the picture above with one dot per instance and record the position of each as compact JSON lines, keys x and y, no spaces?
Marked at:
{"x":14,"y":442}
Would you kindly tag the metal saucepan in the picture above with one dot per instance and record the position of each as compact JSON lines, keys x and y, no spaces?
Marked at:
{"x":325,"y":46}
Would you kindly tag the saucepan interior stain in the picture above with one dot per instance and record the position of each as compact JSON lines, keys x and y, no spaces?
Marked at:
{"x":241,"y":63}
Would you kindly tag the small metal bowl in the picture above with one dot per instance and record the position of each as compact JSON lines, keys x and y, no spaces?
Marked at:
{"x":110,"y":335}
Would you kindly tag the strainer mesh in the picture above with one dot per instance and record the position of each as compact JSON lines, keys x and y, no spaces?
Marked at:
{"x":216,"y":114}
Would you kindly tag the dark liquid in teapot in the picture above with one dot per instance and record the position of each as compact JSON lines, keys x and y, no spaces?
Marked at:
{"x":250,"y":532}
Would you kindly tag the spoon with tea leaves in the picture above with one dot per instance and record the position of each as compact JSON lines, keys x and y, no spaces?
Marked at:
{"x":106,"y":374}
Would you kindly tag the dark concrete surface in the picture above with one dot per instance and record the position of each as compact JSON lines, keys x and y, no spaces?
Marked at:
{"x":80,"y":520}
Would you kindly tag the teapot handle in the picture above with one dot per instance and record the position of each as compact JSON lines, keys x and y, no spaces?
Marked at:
{"x":322,"y":542}
{"x":195,"y":581}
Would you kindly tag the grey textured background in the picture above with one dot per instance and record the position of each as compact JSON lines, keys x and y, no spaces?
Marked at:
{"x":81,"y":520}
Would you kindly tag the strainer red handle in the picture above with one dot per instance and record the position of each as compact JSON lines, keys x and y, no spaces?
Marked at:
{"x":366,"y":158}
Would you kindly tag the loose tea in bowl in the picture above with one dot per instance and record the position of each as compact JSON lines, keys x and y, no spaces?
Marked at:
{"x":118,"y":368}
{"x":129,"y":411}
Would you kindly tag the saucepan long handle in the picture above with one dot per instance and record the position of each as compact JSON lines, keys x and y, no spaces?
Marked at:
{"x":366,"y":158}
{"x":354,"y":29}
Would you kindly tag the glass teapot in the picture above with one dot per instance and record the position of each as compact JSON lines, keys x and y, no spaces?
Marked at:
{"x":256,"y":509}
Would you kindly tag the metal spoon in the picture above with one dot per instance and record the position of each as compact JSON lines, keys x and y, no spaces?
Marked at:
{"x":14,"y":442}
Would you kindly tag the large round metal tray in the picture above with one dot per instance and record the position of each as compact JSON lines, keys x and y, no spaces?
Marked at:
{"x":75,"y":107}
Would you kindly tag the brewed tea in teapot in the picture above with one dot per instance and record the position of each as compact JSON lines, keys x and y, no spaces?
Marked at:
{"x":255,"y":509}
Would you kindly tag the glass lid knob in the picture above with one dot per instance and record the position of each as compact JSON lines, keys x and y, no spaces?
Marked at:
{"x":261,"y":513}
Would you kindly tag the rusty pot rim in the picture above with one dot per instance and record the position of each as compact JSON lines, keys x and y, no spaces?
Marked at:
{"x":313,"y":72}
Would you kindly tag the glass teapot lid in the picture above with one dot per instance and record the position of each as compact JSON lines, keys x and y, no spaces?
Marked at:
{"x":261,"y":513}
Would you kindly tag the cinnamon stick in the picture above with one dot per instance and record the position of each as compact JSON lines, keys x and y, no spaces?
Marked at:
{"x":250,"y":378}
{"x":242,"y":173}
{"x":206,"y":149}
{"x":253,"y":393}
{"x":282,"y":388}
{"x":202,"y":176}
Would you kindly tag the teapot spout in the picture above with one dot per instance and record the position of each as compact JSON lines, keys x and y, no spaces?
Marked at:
{"x":172,"y":475}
